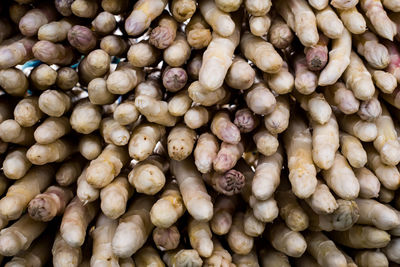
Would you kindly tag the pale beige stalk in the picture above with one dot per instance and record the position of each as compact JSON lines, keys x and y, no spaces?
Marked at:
{"x":114,"y":197}
{"x":324,"y":250}
{"x":363,"y":130}
{"x":379,"y":18}
{"x":102,"y":254}
{"x":143,"y":13}
{"x":126,"y":113}
{"x":339,"y":59}
{"x":325,"y":142}
{"x":227,"y":156}
{"x":12,"y":132}
{"x":178,"y":52}
{"x":341,"y":97}
{"x":220,"y":21}
{"x":316,"y":106}
{"x":341,"y":179}
{"x":198,"y":31}
{"x":267,"y":175}
{"x":322,"y":201}
{"x":218,"y":57}
{"x":143,"y":54}
{"x":90,"y":146}
{"x":238,"y":240}
{"x":329,"y":23}
{"x":52,"y":129}
{"x":369,"y":183}
{"x":291,"y":212}
{"x":106,"y":166}
{"x":75,"y":221}
{"x":259,"y":25}
{"x":124,"y":79}
{"x":16,"y":164}
{"x":224,"y":209}
{"x":155,"y":110}
{"x":389,"y":176}
{"x":358,"y":79}
{"x":20,"y":235}
{"x":281,"y":82}
{"x":279,"y":33}
{"x":305,"y":80}
{"x":27,"y":111}
{"x":43,"y":76}
{"x":301,"y":19}
{"x":18,"y":195}
{"x":113,"y":132}
{"x":168,"y":208}
{"x":342,"y":219}
{"x":63,"y":254}
{"x":362,"y":237}
{"x":386,"y":142}
{"x":205,"y":152}
{"x":134,"y":228}
{"x":85,"y":117}
{"x":352,"y":150}
{"x":183,"y":257}
{"x":13,"y":81}
{"x":86,"y":192}
{"x":273,"y":258}
{"x":261,"y":52}
{"x":287,"y":241}
{"x":98,"y":93}
{"x":194,"y":193}
{"x":207,"y":98}
{"x":148,"y":176}
{"x":366,"y":258}
{"x":57,"y":151}
{"x":179,"y":104}
{"x":375,"y":53}
{"x":240,"y":74}
{"x":196,"y":117}
{"x":298,"y":144}
{"x":260,"y":99}
{"x":278,"y":120}
{"x":374,"y":213}
{"x":200,"y":237}
{"x":144,"y":139}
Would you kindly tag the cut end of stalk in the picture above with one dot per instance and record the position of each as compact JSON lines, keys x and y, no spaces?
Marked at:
{"x":188,"y":257}
{"x":345,"y":215}
{"x":41,"y":210}
{"x":231,"y":182}
{"x":166,"y":238}
{"x":161,"y":37}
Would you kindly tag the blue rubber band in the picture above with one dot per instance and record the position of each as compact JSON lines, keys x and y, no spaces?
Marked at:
{"x":115,"y":60}
{"x":31,"y":64}
{"x":74,"y":66}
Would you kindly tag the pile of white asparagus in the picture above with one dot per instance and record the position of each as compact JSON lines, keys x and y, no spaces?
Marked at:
{"x":196,"y":133}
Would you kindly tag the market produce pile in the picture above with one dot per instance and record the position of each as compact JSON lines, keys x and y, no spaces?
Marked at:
{"x":200,"y":133}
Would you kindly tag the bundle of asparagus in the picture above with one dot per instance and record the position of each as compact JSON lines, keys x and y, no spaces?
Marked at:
{"x":200,"y":133}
